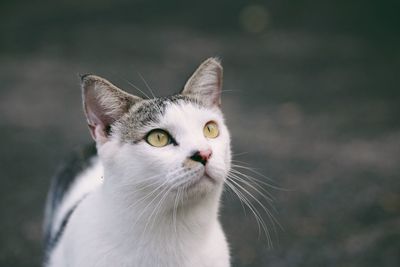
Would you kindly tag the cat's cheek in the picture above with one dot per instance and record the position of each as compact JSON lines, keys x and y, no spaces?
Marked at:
{"x":108,"y":150}
{"x":216,"y":171}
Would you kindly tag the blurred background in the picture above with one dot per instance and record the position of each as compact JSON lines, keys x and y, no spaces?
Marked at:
{"x":312,"y":100}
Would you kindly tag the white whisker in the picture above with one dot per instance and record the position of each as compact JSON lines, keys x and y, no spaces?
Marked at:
{"x":157,"y":209}
{"x":269,"y":214}
{"x":147,"y":85}
{"x":176,"y":203}
{"x":260,"y":222}
{"x":137,"y":88}
{"x":254,"y":182}
{"x":258,"y":180}
{"x":265,"y":195}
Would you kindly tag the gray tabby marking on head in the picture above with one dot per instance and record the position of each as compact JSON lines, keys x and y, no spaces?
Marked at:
{"x":133,"y":126}
{"x":110,"y":110}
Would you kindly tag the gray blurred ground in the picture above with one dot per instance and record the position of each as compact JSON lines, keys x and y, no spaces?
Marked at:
{"x":312,"y":101}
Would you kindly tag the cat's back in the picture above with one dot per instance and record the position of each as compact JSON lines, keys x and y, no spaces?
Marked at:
{"x":78,"y":176}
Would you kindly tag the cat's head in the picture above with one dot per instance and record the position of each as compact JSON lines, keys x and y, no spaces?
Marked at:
{"x":176,"y":143}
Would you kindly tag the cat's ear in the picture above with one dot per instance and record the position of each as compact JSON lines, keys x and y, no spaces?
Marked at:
{"x":104,"y":103}
{"x":206,"y":83}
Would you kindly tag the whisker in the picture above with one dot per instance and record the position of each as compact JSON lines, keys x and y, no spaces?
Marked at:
{"x":176,"y":203}
{"x":252,"y":170}
{"x":165,"y":189}
{"x":152,"y":192}
{"x":259,"y":184}
{"x":269,"y":214}
{"x":224,"y":91}
{"x":129,"y":185}
{"x":148,"y":205}
{"x":267,"y":211}
{"x":240,"y":200}
{"x":260,"y":222}
{"x":257,"y":179}
{"x":147,"y":85}
{"x":157,"y":209}
{"x":244,"y":186}
{"x":265,"y":195}
{"x":239,"y":154}
{"x":137,"y":88}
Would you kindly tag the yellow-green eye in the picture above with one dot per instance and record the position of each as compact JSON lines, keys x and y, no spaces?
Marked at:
{"x":158,"y":138}
{"x":211,"y":130}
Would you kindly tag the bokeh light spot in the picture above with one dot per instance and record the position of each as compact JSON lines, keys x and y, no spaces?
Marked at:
{"x":254,"y":18}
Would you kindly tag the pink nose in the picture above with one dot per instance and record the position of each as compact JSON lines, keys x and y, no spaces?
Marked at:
{"x":202,"y":156}
{"x":205,"y":154}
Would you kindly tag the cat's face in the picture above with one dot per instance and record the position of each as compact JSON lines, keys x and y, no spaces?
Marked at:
{"x":171,"y":145}
{"x":172,"y":162}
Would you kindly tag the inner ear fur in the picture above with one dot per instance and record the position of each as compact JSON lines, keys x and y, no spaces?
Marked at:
{"x":103,"y":103}
{"x":205,"y":84}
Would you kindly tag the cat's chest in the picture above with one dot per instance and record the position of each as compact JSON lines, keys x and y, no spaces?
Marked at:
{"x":85,"y":252}
{"x":96,"y":239}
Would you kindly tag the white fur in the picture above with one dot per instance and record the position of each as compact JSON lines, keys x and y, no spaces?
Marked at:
{"x":85,"y":183}
{"x":119,"y":224}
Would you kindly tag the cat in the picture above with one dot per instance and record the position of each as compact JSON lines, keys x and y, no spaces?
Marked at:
{"x":148,"y":193}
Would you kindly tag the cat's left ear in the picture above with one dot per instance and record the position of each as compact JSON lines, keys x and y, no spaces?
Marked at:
{"x":206,"y":83}
{"x":104,"y":103}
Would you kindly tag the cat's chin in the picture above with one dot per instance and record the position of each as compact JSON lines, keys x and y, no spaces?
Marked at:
{"x":204,"y":179}
{"x":201,"y":186}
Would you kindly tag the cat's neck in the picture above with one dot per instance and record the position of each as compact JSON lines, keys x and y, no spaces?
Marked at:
{"x":150,"y":216}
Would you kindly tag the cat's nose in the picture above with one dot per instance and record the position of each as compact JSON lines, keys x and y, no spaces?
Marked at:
{"x":202,"y":156}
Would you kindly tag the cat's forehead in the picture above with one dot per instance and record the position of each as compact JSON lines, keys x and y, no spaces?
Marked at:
{"x":152,"y":110}
{"x":186,"y":115}
{"x":149,"y":113}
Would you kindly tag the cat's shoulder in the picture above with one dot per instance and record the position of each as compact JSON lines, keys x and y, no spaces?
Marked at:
{"x":68,"y":186}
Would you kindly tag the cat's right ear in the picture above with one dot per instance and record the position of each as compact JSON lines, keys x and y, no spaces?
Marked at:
{"x":104,"y":103}
{"x":205,"y":84}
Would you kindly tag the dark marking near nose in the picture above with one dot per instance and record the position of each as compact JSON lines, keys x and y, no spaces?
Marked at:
{"x":201,"y":156}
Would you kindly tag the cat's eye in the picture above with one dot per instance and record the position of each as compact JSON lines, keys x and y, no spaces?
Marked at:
{"x":158,"y":138}
{"x":211,"y":130}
